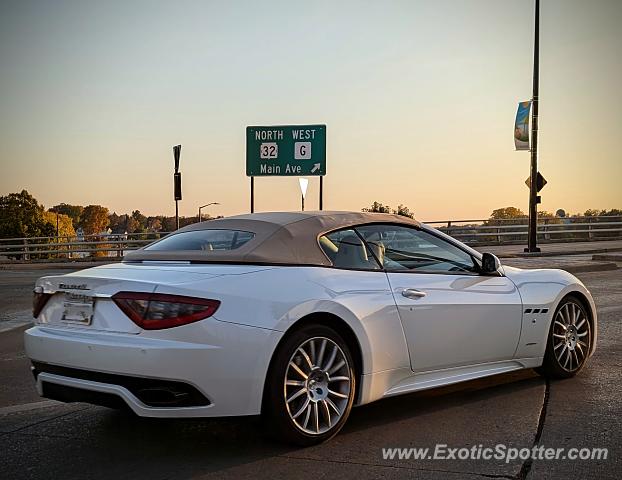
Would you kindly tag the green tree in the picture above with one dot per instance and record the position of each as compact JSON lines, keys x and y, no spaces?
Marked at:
{"x":592,"y":212}
{"x":404,"y":211}
{"x":154,"y":224}
{"x":132,"y":225}
{"x":94,"y":219}
{"x":185,"y":221}
{"x":141,"y":221}
{"x":72,"y":211}
{"x":507,"y":213}
{"x":116,"y":223}
{"x":22,"y":216}
{"x":168,"y":223}
{"x":545,"y":214}
{"x":377,"y":207}
{"x":65,"y":224}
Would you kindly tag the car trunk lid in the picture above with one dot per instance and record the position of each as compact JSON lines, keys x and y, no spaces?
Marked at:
{"x":82,"y":300}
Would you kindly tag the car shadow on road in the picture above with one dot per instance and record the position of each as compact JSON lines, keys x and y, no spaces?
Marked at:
{"x":401,"y":407}
{"x":117,"y":442}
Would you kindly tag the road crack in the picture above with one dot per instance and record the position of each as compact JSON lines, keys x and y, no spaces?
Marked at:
{"x":527,"y":464}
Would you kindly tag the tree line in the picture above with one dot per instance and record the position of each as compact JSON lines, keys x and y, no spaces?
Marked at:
{"x":505,"y":213}
{"x":21,"y":215}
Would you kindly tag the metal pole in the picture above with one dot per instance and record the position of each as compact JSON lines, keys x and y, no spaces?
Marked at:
{"x":57,"y":232}
{"x":533,"y":187}
{"x":252,"y":194}
{"x":176,"y":215}
{"x":205,"y":206}
{"x":303,"y":202}
{"x":176,"y":155}
{"x":321,"y":192}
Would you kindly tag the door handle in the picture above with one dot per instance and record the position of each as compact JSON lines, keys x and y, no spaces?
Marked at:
{"x":413,"y":293}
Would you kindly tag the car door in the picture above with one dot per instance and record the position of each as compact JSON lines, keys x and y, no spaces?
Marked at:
{"x":451,"y":314}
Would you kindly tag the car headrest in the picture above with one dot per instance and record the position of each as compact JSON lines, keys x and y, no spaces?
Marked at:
{"x":351,"y":253}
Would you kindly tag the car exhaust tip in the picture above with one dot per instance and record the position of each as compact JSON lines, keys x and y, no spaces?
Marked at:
{"x":161,"y":397}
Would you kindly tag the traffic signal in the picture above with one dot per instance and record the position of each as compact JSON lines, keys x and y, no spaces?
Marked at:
{"x":177,"y":182}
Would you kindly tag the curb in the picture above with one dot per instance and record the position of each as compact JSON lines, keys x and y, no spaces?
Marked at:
{"x":583,"y":267}
{"x":608,"y":257}
{"x":11,"y":325}
{"x":590,"y":251}
{"x":596,"y":267}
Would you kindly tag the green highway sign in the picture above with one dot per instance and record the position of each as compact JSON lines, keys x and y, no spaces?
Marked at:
{"x":298,"y":150}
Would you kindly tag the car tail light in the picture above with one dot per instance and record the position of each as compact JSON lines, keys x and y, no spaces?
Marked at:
{"x":155,"y":311}
{"x":39,"y":299}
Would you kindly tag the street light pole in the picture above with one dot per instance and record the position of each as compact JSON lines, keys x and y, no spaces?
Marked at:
{"x":206,"y":205}
{"x":533,"y":184}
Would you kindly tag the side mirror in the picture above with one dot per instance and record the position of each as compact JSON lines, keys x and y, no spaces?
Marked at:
{"x":490,"y":263}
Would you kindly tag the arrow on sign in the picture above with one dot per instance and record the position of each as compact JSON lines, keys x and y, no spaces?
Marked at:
{"x":315,"y":168}
{"x":540,"y":181}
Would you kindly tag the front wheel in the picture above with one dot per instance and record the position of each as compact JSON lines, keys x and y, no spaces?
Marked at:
{"x":311,"y":386}
{"x":569,"y":341}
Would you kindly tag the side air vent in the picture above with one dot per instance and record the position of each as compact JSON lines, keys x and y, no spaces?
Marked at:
{"x":536,"y":310}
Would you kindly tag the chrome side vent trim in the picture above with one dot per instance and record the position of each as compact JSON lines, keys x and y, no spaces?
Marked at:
{"x":536,"y":310}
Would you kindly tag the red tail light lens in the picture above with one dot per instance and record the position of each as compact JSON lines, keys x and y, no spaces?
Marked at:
{"x":155,"y":311}
{"x":39,"y":299}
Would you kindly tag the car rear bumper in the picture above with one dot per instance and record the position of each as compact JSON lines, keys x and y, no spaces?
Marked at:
{"x":205,"y":375}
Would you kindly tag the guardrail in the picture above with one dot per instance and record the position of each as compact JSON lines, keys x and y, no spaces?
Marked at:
{"x":472,"y":232}
{"x":74,"y":247}
{"x":494,"y":232}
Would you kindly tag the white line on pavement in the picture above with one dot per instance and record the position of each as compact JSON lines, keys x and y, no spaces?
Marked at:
{"x":28,"y":406}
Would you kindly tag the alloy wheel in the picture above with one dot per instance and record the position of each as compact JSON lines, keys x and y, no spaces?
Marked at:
{"x":317,"y":385}
{"x":571,"y":336}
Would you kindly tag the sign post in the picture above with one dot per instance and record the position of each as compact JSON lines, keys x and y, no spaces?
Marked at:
{"x":533,"y":188}
{"x":252,"y":194}
{"x":285,"y":150}
{"x":304,"y":183}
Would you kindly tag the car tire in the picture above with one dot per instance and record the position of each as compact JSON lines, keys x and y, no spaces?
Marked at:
{"x":310,"y":387}
{"x":569,"y":340}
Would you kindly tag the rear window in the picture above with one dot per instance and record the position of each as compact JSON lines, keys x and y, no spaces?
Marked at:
{"x":206,"y":240}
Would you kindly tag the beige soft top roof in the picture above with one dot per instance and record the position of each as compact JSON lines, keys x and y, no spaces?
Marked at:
{"x":280,"y":237}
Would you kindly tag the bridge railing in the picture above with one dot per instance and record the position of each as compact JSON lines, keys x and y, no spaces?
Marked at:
{"x":74,"y":247}
{"x":472,"y":232}
{"x":514,"y":230}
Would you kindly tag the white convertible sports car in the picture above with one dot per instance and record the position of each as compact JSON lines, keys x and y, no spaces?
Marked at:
{"x":299,"y":316}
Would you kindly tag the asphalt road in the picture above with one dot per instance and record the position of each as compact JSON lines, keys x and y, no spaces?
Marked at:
{"x":45,"y":439}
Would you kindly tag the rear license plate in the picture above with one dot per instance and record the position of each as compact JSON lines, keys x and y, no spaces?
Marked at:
{"x":77,"y":309}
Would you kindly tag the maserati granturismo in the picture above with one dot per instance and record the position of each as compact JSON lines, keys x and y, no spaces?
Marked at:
{"x":299,"y":317}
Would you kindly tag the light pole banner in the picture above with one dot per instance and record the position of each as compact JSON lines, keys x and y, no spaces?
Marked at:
{"x":521,"y":126}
